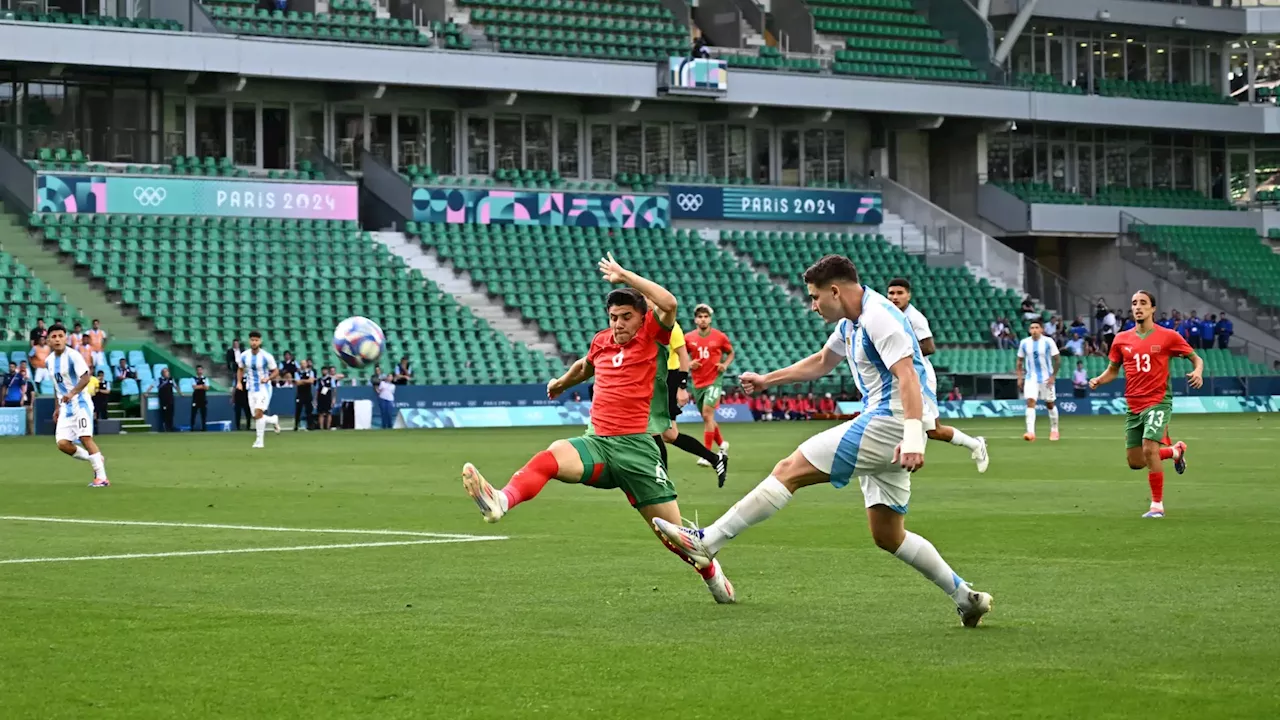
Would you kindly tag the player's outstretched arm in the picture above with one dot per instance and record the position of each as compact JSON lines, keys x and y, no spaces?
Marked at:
{"x":811,"y":368}
{"x":1111,"y":373}
{"x":665,"y":304}
{"x":579,"y":372}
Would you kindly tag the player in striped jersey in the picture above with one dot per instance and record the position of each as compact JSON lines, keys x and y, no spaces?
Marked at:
{"x":899,"y":293}
{"x":1037,"y":368}
{"x":73,"y":412}
{"x":256,"y":371}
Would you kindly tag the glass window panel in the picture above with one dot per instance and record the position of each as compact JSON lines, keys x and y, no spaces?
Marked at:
{"x":1058,"y":166}
{"x":737,"y":151}
{"x":568,"y":150}
{"x":1158,"y":58}
{"x":1084,"y":169}
{"x":1266,"y":172}
{"x":349,"y":136}
{"x":814,"y":147}
{"x":657,"y":148}
{"x":1021,"y":59}
{"x":477,"y":145}
{"x":211,"y":129}
{"x":686,"y":151}
{"x":1180,"y":65}
{"x":836,"y":170}
{"x":1113,"y":67}
{"x":1056,"y":42}
{"x":411,"y":132}
{"x":630,"y":148}
{"x":507,"y":139}
{"x":175,"y":126}
{"x":1184,"y":168}
{"x":1023,"y":156}
{"x":444,"y":139}
{"x":537,"y":142}
{"x":275,"y":138}
{"x":380,"y":137}
{"x":244,"y":135}
{"x":1161,"y":167}
{"x":1139,"y":165}
{"x":762,"y":147}
{"x":308,"y":130}
{"x":1085,"y":52}
{"x":789,"y":155}
{"x":998,"y":148}
{"x":715,"y":150}
{"x":1136,"y":58}
{"x":602,"y":152}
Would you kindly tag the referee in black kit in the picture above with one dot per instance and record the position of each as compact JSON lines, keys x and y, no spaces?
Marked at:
{"x":304,"y":379}
{"x":200,"y":400}
{"x":166,"y":388}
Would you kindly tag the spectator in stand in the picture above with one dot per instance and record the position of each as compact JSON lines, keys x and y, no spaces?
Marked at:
{"x":1165,"y":322}
{"x":1099,"y":314}
{"x":86,"y":352}
{"x":954,"y":395}
{"x":1075,"y":346}
{"x":827,"y":405}
{"x":288,"y":370}
{"x":1127,"y":322}
{"x":1078,"y":328}
{"x":770,"y":405}
{"x":123,"y":372}
{"x":997,"y":333}
{"x":1223,"y":331}
{"x":1208,"y":331}
{"x":29,"y":399}
{"x":97,"y":339}
{"x":38,"y":333}
{"x":1090,"y":347}
{"x":404,"y":373}
{"x":14,"y":387}
{"x":386,"y":389}
{"x":1051,"y":327}
{"x":1191,"y":330}
{"x":1080,"y":381}
{"x":76,"y":338}
{"x":808,"y":406}
{"x":232,"y":357}
{"x":1029,"y":311}
{"x":1110,"y":326}
{"x":101,"y":397}
{"x":37,"y":354}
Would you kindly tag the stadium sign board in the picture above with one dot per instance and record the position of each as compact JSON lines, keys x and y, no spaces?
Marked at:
{"x":1182,"y":405}
{"x":537,"y":207}
{"x":711,"y":202}
{"x":195,"y":196}
{"x":13,"y":421}
{"x":699,"y":77}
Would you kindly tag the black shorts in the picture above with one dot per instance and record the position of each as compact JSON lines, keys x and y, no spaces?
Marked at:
{"x":673,"y":388}
{"x":324,"y":404}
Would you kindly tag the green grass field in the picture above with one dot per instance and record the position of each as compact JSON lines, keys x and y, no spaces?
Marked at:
{"x":580,"y":613}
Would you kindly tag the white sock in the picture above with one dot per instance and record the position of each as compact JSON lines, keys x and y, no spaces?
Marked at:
{"x":759,"y":505}
{"x":1031,"y":420}
{"x":966,"y":441}
{"x":1053,"y":419}
{"x":923,"y":556}
{"x":262,"y":427}
{"x":272,"y":419}
{"x":80,"y":454}
{"x":99,"y":465}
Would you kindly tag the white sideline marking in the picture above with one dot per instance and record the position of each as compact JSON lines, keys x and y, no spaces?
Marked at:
{"x":254,"y":528}
{"x":237,"y":551}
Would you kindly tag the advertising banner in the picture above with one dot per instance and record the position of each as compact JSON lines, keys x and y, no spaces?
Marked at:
{"x":216,"y":197}
{"x":1182,"y":405}
{"x":695,"y":76}
{"x":13,"y":421}
{"x":570,"y":413}
{"x":711,"y":202}
{"x":532,"y":207}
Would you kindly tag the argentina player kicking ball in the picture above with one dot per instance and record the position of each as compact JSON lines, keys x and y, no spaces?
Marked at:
{"x":881,"y":447}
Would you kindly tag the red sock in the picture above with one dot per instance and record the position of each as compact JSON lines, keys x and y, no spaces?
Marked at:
{"x":1166,"y":453}
{"x":719,"y":437}
{"x":530,"y":479}
{"x":708,"y":438}
{"x":1156,"y":481}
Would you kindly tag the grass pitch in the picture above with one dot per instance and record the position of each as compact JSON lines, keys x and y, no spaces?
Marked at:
{"x":579,"y":612}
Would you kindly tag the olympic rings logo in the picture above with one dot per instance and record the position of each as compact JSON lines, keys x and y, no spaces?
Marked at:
{"x":689,"y":201}
{"x":149,"y":196}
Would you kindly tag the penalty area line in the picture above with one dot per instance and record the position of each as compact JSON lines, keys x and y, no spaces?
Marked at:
{"x":242,"y":551}
{"x":250,"y":528}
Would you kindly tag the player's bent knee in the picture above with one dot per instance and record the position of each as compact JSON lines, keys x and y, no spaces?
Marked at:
{"x":67,"y":447}
{"x":670,"y":434}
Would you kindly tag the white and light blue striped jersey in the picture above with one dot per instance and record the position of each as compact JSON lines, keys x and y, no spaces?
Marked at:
{"x":67,"y":369}
{"x":880,"y":337}
{"x":920,"y":326}
{"x":257,"y":369}
{"x":1037,"y":357}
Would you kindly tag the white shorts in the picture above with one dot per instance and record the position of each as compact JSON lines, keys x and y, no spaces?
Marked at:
{"x":864,"y":447}
{"x":259,"y":399}
{"x":1032,"y":390}
{"x":73,"y":424}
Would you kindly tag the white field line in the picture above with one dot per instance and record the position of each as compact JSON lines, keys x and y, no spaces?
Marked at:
{"x":238,"y":551}
{"x":252,"y":528}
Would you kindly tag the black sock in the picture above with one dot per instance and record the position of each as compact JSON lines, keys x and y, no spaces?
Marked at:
{"x":693,"y":447}
{"x":662,"y":450}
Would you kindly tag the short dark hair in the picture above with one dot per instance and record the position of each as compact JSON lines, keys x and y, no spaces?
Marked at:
{"x":1035,"y":322}
{"x":199,"y":367}
{"x":627,"y":297}
{"x":830,"y":269}
{"x":256,"y":334}
{"x":96,"y":320}
{"x":901,"y":282}
{"x":1150,"y":297}
{"x":56,"y":327}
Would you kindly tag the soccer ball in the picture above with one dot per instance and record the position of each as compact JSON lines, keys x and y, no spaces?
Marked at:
{"x":358,"y":341}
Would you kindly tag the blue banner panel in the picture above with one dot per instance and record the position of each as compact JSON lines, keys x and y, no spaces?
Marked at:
{"x":529,"y":207}
{"x":13,"y":421}
{"x":571,"y":413}
{"x":711,"y":202}
{"x":1182,"y":405}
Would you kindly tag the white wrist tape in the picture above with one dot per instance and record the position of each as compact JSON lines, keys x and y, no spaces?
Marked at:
{"x":912,"y":437}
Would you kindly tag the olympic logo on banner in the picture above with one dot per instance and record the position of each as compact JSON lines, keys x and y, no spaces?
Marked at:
{"x":1068,"y":406}
{"x":149,"y":196}
{"x":689,"y":202}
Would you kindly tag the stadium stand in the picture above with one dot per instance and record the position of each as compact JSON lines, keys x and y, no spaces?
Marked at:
{"x":1171,"y":92}
{"x":424,"y":176}
{"x":347,"y":21}
{"x":294,"y":281}
{"x":27,"y":298}
{"x":989,"y":361}
{"x":1183,"y":199}
{"x":771,"y":58}
{"x":768,"y":328}
{"x":74,"y":160}
{"x":1234,"y":256}
{"x":102,"y":21}
{"x":638,"y":30}
{"x":961,"y":306}
{"x":889,"y":38}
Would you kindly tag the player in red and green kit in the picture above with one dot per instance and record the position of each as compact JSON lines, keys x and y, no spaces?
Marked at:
{"x":711,"y":353}
{"x":629,"y":362}
{"x":1144,"y":351}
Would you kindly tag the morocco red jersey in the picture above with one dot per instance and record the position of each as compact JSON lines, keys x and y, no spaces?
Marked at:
{"x":626,"y":376}
{"x":706,"y":350}
{"x":1146,"y":364}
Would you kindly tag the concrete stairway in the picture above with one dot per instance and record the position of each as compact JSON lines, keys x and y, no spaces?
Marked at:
{"x":472,"y":294}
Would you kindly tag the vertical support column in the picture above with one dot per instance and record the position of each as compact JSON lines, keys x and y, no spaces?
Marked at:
{"x":1015,"y":31}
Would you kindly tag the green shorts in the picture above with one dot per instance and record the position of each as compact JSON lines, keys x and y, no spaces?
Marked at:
{"x":1150,"y":424}
{"x":709,"y":396}
{"x":628,"y":462}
